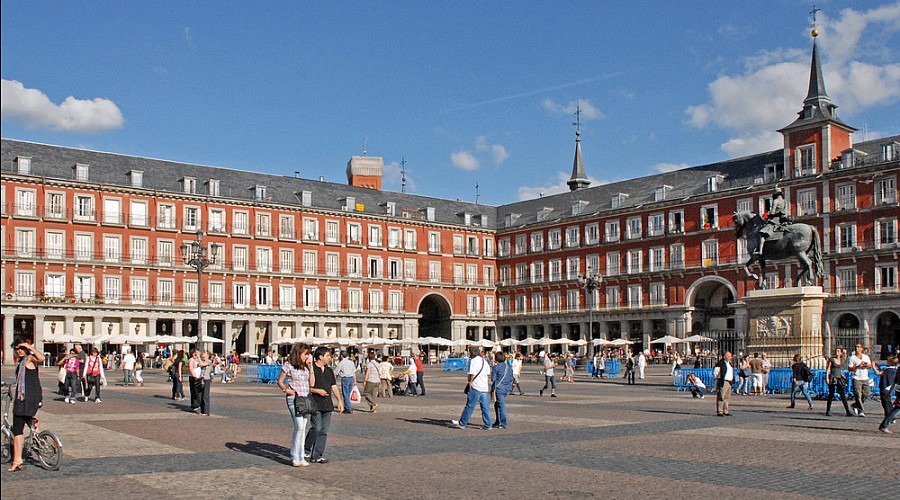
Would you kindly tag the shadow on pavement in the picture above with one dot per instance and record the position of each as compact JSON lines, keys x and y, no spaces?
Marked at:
{"x":444,"y":422}
{"x":273,"y":452}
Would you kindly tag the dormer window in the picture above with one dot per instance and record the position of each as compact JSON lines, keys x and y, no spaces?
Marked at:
{"x":23,"y":165}
{"x":773,"y":172}
{"x":578,"y":207}
{"x":429,"y":214}
{"x":713,"y":182}
{"x":618,"y":200}
{"x":660,"y":193}
{"x":890,"y":151}
{"x":349,"y":204}
{"x":137,"y":178}
{"x":213,"y":187}
{"x":259,"y":192}
{"x":189,"y":185}
{"x":390,"y":208}
{"x":82,"y":172}
{"x":484,"y":220}
{"x":543,"y":214}
{"x":467,"y":218}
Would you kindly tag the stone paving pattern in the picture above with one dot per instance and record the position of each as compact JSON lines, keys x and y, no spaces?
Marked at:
{"x":598,"y":439}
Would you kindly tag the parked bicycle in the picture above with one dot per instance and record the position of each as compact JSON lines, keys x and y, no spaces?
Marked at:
{"x":44,"y":446}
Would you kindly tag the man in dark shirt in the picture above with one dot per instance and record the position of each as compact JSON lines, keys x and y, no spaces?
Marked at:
{"x":321,"y":392}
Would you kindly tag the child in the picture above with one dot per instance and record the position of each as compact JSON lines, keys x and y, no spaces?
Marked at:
{"x":698,"y":388}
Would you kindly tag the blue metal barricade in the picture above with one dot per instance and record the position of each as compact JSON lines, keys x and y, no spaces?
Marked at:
{"x":612,"y":367}
{"x":268,"y":373}
{"x":704,"y":374}
{"x":780,"y":380}
{"x":456,"y":364}
{"x":252,"y":372}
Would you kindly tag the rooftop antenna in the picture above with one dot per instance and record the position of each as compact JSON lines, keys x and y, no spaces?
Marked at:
{"x":814,"y":32}
{"x":402,"y":175}
{"x":477,"y":195}
{"x":365,"y":145}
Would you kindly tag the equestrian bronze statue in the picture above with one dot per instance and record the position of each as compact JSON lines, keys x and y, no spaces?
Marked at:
{"x":784,"y":241}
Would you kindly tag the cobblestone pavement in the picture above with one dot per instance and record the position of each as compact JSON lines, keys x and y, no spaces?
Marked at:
{"x":599,"y":439}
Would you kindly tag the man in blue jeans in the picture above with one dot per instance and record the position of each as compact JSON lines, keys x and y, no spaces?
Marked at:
{"x":478,"y":392}
{"x":346,"y":373}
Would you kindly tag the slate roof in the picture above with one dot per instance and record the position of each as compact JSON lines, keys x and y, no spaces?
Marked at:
{"x":113,"y":169}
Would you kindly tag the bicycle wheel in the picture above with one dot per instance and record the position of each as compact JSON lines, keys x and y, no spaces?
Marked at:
{"x":6,"y":447}
{"x":47,"y":448}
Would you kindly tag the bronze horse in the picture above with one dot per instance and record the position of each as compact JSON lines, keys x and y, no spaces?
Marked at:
{"x":800,"y":241}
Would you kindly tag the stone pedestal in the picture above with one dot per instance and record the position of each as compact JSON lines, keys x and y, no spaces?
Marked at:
{"x":786,"y":321}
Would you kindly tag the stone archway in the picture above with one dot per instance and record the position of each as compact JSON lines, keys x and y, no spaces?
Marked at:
{"x":434,"y":317}
{"x":848,"y":321}
{"x":887,"y":333}
{"x":709,"y":298}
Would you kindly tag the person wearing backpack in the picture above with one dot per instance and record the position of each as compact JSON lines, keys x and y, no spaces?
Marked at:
{"x":93,"y":375}
{"x":802,"y":377}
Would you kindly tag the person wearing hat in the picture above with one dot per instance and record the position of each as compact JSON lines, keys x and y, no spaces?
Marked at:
{"x":776,"y":217}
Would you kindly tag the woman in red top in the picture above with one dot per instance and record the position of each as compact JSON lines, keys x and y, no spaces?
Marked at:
{"x":93,"y":375}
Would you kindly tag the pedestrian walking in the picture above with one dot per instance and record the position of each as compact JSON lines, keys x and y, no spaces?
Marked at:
{"x":549,"y":375}
{"x":477,"y":391}
{"x":420,"y":373}
{"x":371,"y":381}
{"x":93,"y":375}
{"x":886,"y":384}
{"x":205,"y":383}
{"x":346,"y":373}
{"x":641,"y":364}
{"x":501,"y":385}
{"x":176,"y":371}
{"x":127,"y":366}
{"x":517,"y":372}
{"x":73,"y":376}
{"x":895,"y":408}
{"x":195,"y":383}
{"x":412,"y":378}
{"x":859,"y":369}
{"x":629,"y":369}
{"x":386,"y":374}
{"x":139,"y":364}
{"x":802,"y":377}
{"x":320,"y":421}
{"x":836,"y":380}
{"x":295,"y":379}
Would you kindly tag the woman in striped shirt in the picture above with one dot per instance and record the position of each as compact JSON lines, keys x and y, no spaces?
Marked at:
{"x":295,"y":380}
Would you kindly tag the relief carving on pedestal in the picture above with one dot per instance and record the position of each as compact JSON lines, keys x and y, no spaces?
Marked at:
{"x":773,"y":327}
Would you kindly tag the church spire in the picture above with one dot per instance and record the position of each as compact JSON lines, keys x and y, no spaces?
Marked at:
{"x":579,"y":179}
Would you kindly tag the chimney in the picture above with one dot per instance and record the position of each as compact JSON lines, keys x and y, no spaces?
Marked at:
{"x":365,"y":171}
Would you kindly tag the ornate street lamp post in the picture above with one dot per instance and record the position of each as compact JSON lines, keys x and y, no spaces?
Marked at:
{"x":195,"y":255}
{"x":589,"y":281}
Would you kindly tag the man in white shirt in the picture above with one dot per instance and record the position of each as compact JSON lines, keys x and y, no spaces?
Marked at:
{"x":517,"y":372}
{"x":477,"y":391}
{"x":723,"y":374}
{"x":412,"y":375}
{"x":641,"y":364}
{"x":859,"y":368}
{"x":128,"y":361}
{"x":346,"y":374}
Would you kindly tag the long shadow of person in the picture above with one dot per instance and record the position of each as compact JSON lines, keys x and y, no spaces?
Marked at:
{"x":273,"y":452}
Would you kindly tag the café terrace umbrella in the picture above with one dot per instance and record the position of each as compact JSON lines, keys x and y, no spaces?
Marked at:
{"x":99,"y":339}
{"x":63,"y":339}
{"x":509,"y":342}
{"x":698,"y":338}
{"x":668,"y":339}
{"x":621,"y":342}
{"x":599,"y":342}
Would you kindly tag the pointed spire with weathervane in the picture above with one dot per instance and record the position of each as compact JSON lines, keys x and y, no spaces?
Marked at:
{"x":579,"y":179}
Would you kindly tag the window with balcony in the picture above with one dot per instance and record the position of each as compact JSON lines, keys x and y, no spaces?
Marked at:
{"x":521,"y":246}
{"x":310,"y":298}
{"x":613,"y":265}
{"x":537,"y":242}
{"x":216,"y":294}
{"x":410,"y":270}
{"x":658,"y":259}
{"x":657,"y":294}
{"x":191,"y":219}
{"x":573,"y":268}
{"x":375,"y":236}
{"x":112,"y":248}
{"x":537,"y":302}
{"x":537,"y":272}
{"x":84,"y":246}
{"x":886,"y":278}
{"x":332,"y":264}
{"x":216,"y":220}
{"x":241,"y":298}
{"x":263,"y":296}
{"x":521,"y":273}
{"x":112,"y":211}
{"x":489,"y":306}
{"x":332,"y":232}
{"x":84,"y":208}
{"x":395,"y":302}
{"x":845,"y":197}
{"x":84,"y":288}
{"x":710,"y":251}
{"x":635,"y":296}
{"x":55,"y":245}
{"x":376,"y":301}
{"x":394,"y":237}
{"x":287,"y":299}
{"x":806,"y":202}
{"x":845,"y":237}
{"x":310,"y":263}
{"x":354,"y":233}
{"x":310,"y":229}
{"x":112,"y":289}
{"x":139,"y":291}
{"x":354,"y":300}
{"x":166,"y":217}
{"x":434,"y":271}
{"x":56,"y":206}
{"x":592,"y":234}
{"x":138,"y":214}
{"x":375,"y":267}
{"x":286,"y":260}
{"x":165,"y":252}
{"x":676,"y":256}
{"x":886,"y":233}
{"x":264,"y":259}
{"x":846,"y":280}
{"x":354,"y":266}
{"x":612,"y":296}
{"x":395,"y":269}
{"x":745,"y":205}
{"x":805,"y":160}
{"x":634,"y":259}
{"x":434,"y":243}
{"x":709,"y":217}
{"x":263,"y":225}
{"x":488,"y":247}
{"x":471,"y":274}
{"x":472,"y":246}
{"x":286,"y":227}
{"x":25,"y":285}
{"x":239,"y":260}
{"x":138,"y":250}
{"x":54,"y":285}
{"x":488,"y":275}
{"x":676,"y":221}
{"x":886,"y":191}
{"x":554,"y":239}
{"x":25,"y":242}
{"x":572,"y":237}
{"x":165,"y":292}
{"x":612,"y":231}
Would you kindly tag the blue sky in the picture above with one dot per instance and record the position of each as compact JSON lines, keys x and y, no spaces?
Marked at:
{"x":468,"y":92}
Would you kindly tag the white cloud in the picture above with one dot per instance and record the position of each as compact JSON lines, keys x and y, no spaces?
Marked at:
{"x":465,"y":160}
{"x":559,"y":186}
{"x":588,"y":110}
{"x":35,"y":110}
{"x":499,"y":154}
{"x":670,"y":167}
{"x":858,"y":75}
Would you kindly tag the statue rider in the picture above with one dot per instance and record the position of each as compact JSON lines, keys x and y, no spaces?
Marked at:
{"x":777,"y":218}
